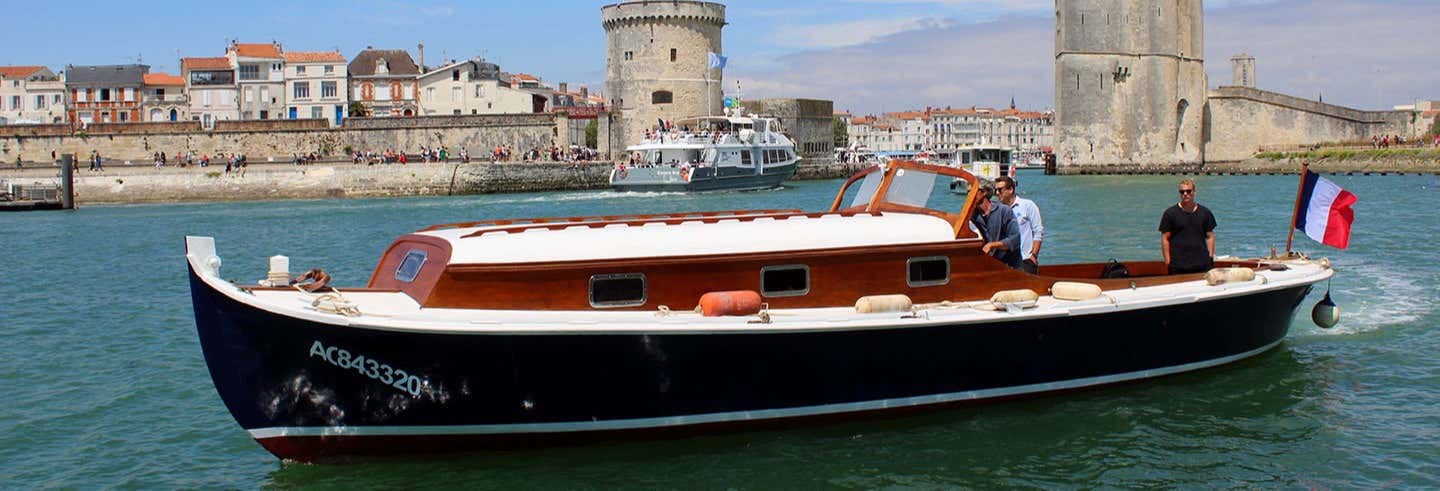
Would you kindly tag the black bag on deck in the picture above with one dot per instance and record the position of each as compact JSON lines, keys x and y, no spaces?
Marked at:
{"x":1115,"y":269}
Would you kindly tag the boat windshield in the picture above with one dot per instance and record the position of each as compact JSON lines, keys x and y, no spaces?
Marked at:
{"x":911,"y":187}
{"x":867,"y":189}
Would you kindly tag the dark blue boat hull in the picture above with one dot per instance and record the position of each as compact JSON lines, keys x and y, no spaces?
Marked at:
{"x":283,"y":380}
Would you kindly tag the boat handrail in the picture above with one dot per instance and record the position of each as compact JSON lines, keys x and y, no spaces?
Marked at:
{"x":603,"y":218}
{"x":668,"y":221}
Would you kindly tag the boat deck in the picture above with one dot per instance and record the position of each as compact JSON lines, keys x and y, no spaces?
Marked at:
{"x":397,"y":311}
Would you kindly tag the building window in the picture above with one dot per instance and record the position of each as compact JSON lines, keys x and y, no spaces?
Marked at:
{"x":15,"y":102}
{"x":275,"y":67}
{"x":317,"y":112}
{"x":617,"y":290}
{"x":329,"y":69}
{"x":429,"y":94}
{"x":454,"y":94}
{"x":328,"y":89}
{"x":249,"y":72}
{"x":629,"y":55}
{"x":479,"y":91}
{"x":299,"y":69}
{"x":205,"y":98}
{"x":785,"y":281}
{"x":81,"y":95}
{"x":302,"y":90}
{"x":104,"y":95}
{"x":265,"y":95}
{"x":249,"y":96}
{"x":455,"y":75}
{"x":673,"y":53}
{"x":662,"y":97}
{"x":56,"y":100}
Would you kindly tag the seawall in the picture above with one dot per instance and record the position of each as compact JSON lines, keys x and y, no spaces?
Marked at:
{"x":283,"y":181}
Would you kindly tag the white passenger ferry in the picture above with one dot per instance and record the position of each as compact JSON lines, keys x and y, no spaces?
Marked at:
{"x":719,"y":153}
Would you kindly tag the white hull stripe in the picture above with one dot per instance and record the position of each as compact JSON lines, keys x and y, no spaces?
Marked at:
{"x":628,"y":424}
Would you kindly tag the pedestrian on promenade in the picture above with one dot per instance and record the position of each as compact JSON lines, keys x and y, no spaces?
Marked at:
{"x":1187,"y":234}
{"x":18,"y":165}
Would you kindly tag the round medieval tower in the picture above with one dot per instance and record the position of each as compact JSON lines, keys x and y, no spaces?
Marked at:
{"x":1129,"y":83}
{"x":657,"y":63}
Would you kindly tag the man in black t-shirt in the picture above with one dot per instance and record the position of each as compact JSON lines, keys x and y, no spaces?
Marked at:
{"x":1187,"y":234}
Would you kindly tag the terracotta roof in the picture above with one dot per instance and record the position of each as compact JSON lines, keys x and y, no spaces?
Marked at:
{"x":526,"y":76}
{"x":163,"y":79}
{"x":19,"y":71}
{"x":863,"y":120}
{"x":257,"y":50}
{"x":313,"y":56}
{"x":216,"y":63}
{"x":907,"y":115}
{"x":399,"y":61}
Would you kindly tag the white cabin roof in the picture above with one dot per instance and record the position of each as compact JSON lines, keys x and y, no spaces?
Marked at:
{"x":730,"y":236}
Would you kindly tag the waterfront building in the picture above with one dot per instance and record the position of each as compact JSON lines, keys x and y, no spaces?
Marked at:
{"x":260,"y":70}
{"x":104,"y":93}
{"x":658,"y":65}
{"x":385,"y":81}
{"x":163,"y":98}
{"x":211,"y":90}
{"x":316,"y":83}
{"x":945,"y":130}
{"x":460,"y":87}
{"x":31,"y":95}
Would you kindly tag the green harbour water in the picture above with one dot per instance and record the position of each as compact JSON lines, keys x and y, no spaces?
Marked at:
{"x":104,"y":384}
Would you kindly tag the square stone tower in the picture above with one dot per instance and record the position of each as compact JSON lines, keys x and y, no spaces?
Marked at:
{"x":657,"y":63}
{"x":1129,"y":84}
{"x":1243,"y":68}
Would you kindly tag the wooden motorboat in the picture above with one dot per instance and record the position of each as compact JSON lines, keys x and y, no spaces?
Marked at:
{"x":506,"y":333}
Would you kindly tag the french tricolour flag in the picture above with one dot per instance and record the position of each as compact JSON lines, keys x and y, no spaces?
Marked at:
{"x":1324,"y":211}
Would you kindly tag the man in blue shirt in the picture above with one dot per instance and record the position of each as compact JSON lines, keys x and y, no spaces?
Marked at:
{"x":1027,"y":215}
{"x":997,"y":224}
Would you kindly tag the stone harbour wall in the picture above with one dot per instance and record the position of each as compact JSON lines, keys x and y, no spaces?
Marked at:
{"x":279,"y":140}
{"x":340,"y":180}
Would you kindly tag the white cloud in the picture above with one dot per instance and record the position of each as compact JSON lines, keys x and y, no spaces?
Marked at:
{"x":850,"y":33}
{"x":1363,"y":54}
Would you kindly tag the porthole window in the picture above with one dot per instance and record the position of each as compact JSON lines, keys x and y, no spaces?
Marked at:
{"x":617,"y":290}
{"x":410,"y":266}
{"x":785,"y":281}
{"x":661,"y":97}
{"x":927,"y":271}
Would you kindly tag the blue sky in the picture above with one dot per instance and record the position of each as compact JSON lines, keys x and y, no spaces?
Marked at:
{"x":867,"y":55}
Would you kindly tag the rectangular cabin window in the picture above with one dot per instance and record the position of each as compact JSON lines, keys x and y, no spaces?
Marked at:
{"x":617,"y":290}
{"x":410,"y":266}
{"x":785,"y":281}
{"x":927,"y":271}
{"x":745,"y":158}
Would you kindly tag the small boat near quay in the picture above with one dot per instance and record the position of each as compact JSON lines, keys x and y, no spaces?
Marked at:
{"x":721,"y":153}
{"x":510,"y":333}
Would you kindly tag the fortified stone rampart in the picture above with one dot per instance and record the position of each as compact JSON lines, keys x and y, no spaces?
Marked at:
{"x":142,"y":128}
{"x":277,"y":140}
{"x":272,"y":125}
{"x":31,"y":130}
{"x":1243,"y":119}
{"x":657,"y":63}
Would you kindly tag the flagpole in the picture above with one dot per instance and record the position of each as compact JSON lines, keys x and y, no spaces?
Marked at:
{"x":1304,"y":172}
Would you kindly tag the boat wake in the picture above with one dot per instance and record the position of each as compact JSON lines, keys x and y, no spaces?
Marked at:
{"x":1373,"y":297}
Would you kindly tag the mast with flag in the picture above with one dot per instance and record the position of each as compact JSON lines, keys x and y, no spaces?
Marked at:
{"x":717,"y":62}
{"x":1322,"y":210}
